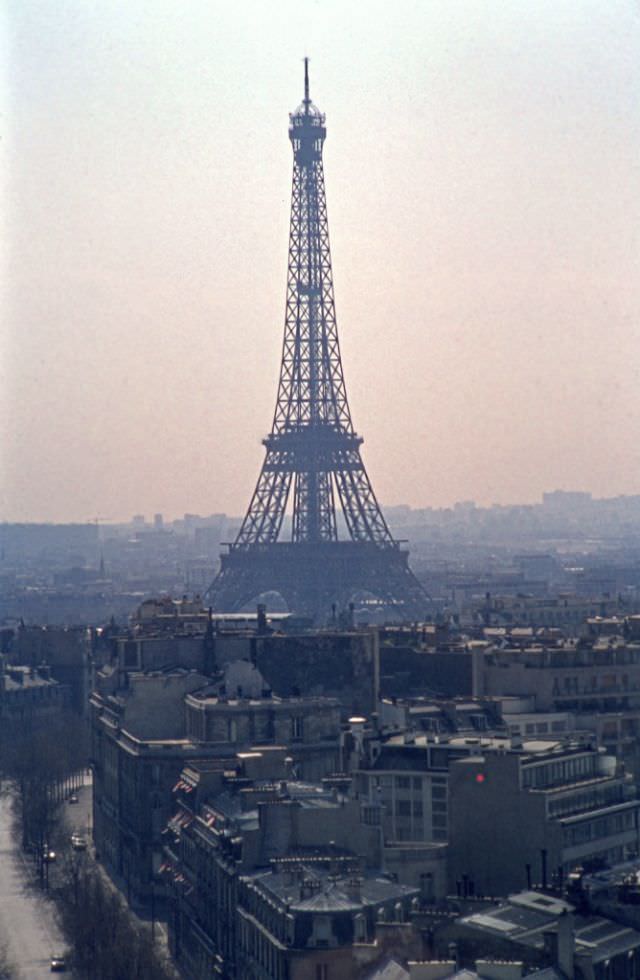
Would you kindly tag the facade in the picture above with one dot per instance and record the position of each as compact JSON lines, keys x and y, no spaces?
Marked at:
{"x":67,"y":651}
{"x":340,"y":663}
{"x":138,"y":748}
{"x":402,"y":773}
{"x":538,"y":811}
{"x":146,"y":726}
{"x":271,"y":877}
{"x":596,"y":680}
{"x":310,"y":727}
{"x":29,"y":699}
{"x":301,"y":922}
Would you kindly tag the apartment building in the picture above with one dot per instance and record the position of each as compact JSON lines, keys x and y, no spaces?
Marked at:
{"x":531,"y":813}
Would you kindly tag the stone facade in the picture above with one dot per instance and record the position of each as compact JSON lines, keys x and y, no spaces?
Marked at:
{"x":146,"y":726}
{"x":271,"y":878}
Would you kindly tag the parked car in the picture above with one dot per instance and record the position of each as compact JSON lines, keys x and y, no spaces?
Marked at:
{"x":73,"y":798}
{"x":58,"y":964}
{"x":78,"y":842}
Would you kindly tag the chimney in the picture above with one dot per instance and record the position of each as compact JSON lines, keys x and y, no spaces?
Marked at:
{"x":559,"y":944}
{"x":356,"y":728}
{"x":426,"y":888}
{"x":432,"y":970}
{"x":262,"y":618}
{"x":354,"y":888}
{"x":308,"y":888}
{"x":488,"y":970}
{"x":566,"y":944}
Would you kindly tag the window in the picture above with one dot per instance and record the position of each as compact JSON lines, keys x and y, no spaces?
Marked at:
{"x":322,"y":971}
{"x":417,"y":783}
{"x":403,"y":782}
{"x":130,"y":653}
{"x":360,"y":928}
{"x":417,"y":808}
{"x":322,"y":930}
{"x":403,"y":808}
{"x":439,"y":792}
{"x":297,"y":728}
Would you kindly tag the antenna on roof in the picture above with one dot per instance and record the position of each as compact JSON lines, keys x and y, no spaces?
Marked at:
{"x":307,"y":100}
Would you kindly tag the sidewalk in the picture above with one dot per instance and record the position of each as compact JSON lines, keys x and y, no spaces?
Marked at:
{"x":79,"y":819}
{"x":28,"y":924}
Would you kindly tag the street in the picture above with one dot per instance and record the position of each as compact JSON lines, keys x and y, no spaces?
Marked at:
{"x":27,"y":920}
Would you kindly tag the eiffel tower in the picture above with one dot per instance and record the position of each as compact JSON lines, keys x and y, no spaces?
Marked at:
{"x":313,"y":451}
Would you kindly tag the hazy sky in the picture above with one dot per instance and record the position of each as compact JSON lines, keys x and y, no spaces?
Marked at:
{"x":482,"y":166}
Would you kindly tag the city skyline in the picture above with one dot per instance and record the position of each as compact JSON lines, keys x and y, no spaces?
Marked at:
{"x":482,"y":191}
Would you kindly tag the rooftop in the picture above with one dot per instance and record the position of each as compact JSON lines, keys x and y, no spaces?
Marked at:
{"x":525,"y":917}
{"x":316,"y":890}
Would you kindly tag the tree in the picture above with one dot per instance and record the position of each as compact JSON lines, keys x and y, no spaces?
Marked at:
{"x":107,"y":941}
{"x":7,"y":969}
{"x":40,"y":767}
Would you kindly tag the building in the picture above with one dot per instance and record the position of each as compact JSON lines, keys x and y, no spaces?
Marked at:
{"x":303,"y":921}
{"x":543,"y":930}
{"x":597,"y":680}
{"x":29,"y":699}
{"x":146,"y":726}
{"x":532,"y":812}
{"x":68,"y":652}
{"x":335,"y":663}
{"x":271,"y":877}
{"x":403,"y":769}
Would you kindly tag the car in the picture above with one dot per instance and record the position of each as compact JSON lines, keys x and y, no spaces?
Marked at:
{"x":73,"y":798}
{"x":78,"y":842}
{"x":58,"y":964}
{"x":48,"y":854}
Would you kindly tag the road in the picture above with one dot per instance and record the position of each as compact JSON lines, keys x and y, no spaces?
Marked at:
{"x":27,"y":919}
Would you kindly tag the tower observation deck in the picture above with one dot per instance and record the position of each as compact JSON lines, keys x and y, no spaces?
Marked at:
{"x":313,"y":459}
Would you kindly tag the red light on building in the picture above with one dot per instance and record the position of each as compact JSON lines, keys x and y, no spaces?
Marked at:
{"x":480,"y":777}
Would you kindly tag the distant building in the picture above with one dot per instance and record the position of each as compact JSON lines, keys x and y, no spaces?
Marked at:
{"x":597,"y":680}
{"x":29,"y":699}
{"x":68,"y":651}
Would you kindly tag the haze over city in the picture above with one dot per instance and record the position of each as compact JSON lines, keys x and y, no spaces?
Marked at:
{"x":482,"y":181}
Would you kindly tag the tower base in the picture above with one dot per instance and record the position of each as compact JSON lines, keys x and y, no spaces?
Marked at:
{"x":314,"y":578}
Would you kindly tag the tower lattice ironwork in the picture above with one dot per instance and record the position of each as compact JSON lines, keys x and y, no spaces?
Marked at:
{"x":313,"y":450}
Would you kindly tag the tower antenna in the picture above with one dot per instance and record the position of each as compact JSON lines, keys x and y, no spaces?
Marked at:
{"x":307,"y":100}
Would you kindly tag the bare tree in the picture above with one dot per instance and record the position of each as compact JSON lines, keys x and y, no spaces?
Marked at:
{"x":107,"y":941}
{"x":41,"y":767}
{"x":8,"y":970}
